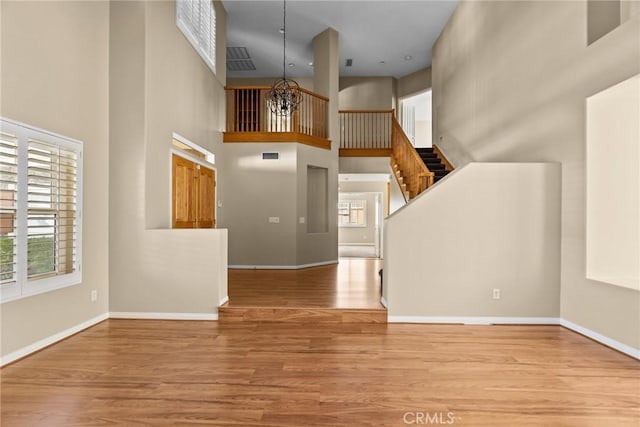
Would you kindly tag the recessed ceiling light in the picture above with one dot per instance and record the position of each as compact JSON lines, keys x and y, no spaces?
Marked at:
{"x":408,"y":57}
{"x":310,"y":64}
{"x":291,"y":64}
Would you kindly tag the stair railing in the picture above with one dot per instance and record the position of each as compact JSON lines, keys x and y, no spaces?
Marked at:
{"x":365,"y":129}
{"x":416,"y":177}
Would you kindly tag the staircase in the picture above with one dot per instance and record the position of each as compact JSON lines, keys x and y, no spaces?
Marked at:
{"x":433,"y":163}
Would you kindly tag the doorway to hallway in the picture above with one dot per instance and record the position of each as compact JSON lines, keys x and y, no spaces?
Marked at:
{"x":360,"y":216}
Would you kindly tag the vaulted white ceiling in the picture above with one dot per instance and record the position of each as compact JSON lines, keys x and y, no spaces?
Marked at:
{"x":377,"y":35}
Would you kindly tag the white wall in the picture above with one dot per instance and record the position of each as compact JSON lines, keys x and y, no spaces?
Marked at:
{"x":55,"y":76}
{"x":486,"y":226}
{"x":613,"y":193}
{"x":514,"y":95}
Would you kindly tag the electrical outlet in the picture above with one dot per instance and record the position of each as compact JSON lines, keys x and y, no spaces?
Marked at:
{"x":94,"y":296}
{"x":274,"y":219}
{"x":301,"y":220}
{"x":496,"y":293}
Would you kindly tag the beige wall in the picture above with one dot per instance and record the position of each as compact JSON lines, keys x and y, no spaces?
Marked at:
{"x":514,"y":95}
{"x":494,"y":225}
{"x":159,"y":85}
{"x":613,"y":217}
{"x":366,"y":93}
{"x":259,"y":189}
{"x":317,"y":247}
{"x":414,"y":83}
{"x":55,"y":76}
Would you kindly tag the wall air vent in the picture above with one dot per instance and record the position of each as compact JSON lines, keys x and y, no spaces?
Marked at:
{"x":349,"y":62}
{"x":238,"y":59}
{"x":270,"y":156}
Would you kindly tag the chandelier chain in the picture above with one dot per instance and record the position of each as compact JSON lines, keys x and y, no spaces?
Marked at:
{"x":284,"y":40}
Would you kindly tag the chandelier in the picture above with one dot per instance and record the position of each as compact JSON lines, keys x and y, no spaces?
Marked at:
{"x":285,"y":95}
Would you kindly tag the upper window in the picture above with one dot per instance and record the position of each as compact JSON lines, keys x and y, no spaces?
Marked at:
{"x":197,"y":20}
{"x":40,"y":200}
{"x":352,"y":213}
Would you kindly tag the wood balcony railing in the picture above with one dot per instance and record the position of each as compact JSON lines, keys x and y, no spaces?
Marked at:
{"x":250,"y":119}
{"x":412,"y":174}
{"x":365,"y":133}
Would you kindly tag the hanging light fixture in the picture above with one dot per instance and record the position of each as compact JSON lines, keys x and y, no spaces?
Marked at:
{"x":285,"y":95}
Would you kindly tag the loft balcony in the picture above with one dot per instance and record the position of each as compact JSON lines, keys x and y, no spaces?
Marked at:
{"x":249,"y":118}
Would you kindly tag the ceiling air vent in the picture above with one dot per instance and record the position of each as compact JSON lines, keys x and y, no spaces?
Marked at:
{"x":237,"y":52}
{"x":349,"y":62}
{"x":241,"y":65}
{"x":270,"y":156}
{"x":238,"y":59}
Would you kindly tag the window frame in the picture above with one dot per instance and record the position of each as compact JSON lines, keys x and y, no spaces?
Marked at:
{"x":24,"y":286}
{"x":350,"y":208}
{"x":194,"y":38}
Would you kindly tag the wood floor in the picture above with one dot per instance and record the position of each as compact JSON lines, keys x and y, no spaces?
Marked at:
{"x":347,"y":292}
{"x":149,"y":372}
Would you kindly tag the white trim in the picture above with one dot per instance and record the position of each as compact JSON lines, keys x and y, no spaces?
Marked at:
{"x":356,"y":244}
{"x":163,"y":316}
{"x":223,"y":301}
{"x":208,"y":154}
{"x":282,"y":267}
{"x":39,"y":345}
{"x":384,"y":303}
{"x":616,"y":345}
{"x":476,"y":320}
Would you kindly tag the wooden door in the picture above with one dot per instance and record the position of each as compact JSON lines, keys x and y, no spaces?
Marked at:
{"x":183,"y":200}
{"x":193,"y":194}
{"x":206,"y":198}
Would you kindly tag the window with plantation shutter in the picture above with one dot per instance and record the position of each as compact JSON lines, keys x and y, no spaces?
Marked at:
{"x":197,"y":20}
{"x":352,"y":213}
{"x":8,"y":211}
{"x":40,"y":191}
{"x":52,"y":172}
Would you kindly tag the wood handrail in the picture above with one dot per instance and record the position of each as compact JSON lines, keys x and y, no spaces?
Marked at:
{"x":262,"y":87}
{"x":406,"y":161}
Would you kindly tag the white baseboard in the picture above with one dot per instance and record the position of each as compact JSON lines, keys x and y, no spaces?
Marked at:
{"x":163,"y":316}
{"x":223,"y":301}
{"x":39,"y":345}
{"x":356,"y":244}
{"x":384,"y":302}
{"x":616,"y":345}
{"x":282,"y":267}
{"x":476,"y":320}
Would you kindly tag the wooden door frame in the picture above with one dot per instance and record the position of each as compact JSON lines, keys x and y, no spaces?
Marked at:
{"x":201,"y":162}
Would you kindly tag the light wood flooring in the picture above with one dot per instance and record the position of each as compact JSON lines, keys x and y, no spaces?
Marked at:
{"x":347,"y":292}
{"x":154,"y":373}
